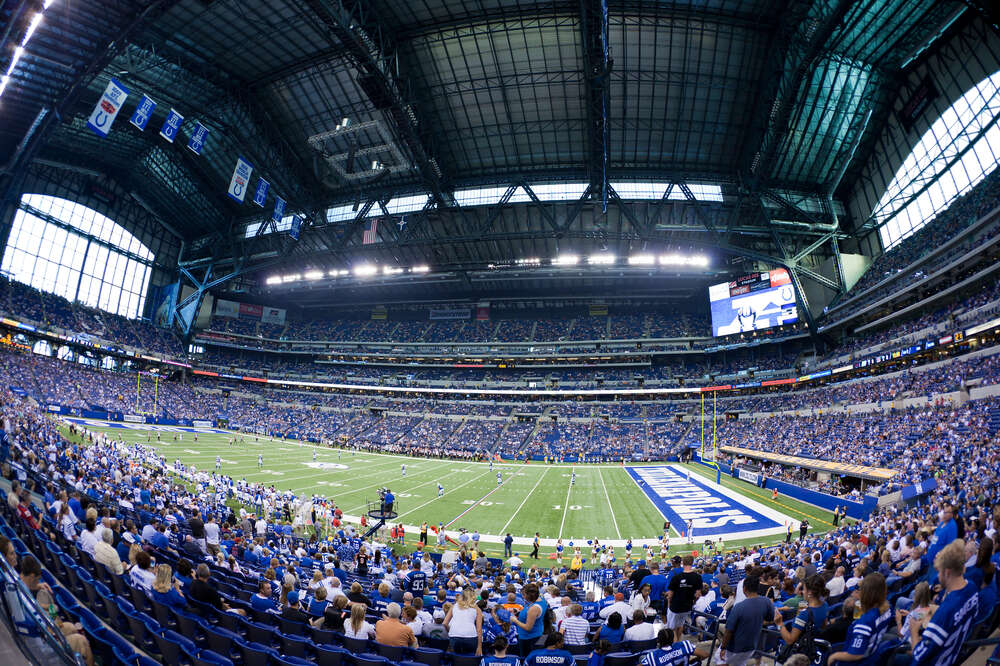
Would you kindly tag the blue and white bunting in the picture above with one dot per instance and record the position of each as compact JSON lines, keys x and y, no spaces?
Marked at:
{"x":260,"y":194}
{"x":171,"y":125}
{"x":240,"y":181}
{"x":279,"y":210}
{"x":107,"y":108}
{"x":198,"y":138}
{"x":143,"y":112}
{"x":293,"y":230}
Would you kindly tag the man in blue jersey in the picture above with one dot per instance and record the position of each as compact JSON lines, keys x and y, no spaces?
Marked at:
{"x":552,"y":654}
{"x":952,"y":622}
{"x":946,"y":532}
{"x":657,"y":586}
{"x":415,"y":581}
{"x":670,"y":653}
{"x":500,"y":657}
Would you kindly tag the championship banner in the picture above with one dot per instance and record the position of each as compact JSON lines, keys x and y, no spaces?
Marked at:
{"x":273,"y":316}
{"x":198,"y":138}
{"x":240,"y":181}
{"x":450,"y":313}
{"x":171,"y":125}
{"x":279,"y":210}
{"x":260,"y":194}
{"x":224,"y":308}
{"x":143,"y":112}
{"x":107,"y":108}
{"x":293,"y":230}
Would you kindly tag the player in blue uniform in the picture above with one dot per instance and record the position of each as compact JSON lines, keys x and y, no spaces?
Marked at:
{"x":572,"y":478}
{"x":669,"y":653}
{"x":866,"y":632}
{"x":440,"y":490}
{"x":499,"y":478}
{"x":952,"y":622}
{"x":403,"y":468}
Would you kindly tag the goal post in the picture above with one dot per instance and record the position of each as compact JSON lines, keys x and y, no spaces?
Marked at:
{"x":709,"y":454}
{"x":138,"y":393}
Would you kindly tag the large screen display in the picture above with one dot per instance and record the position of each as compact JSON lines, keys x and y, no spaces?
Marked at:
{"x":753,"y":302}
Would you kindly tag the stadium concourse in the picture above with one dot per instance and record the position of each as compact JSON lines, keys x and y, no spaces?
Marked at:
{"x":500,"y":333}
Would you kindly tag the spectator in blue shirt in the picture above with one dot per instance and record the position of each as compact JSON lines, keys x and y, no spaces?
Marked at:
{"x":657,"y":586}
{"x":500,"y":657}
{"x":166,"y":590}
{"x":942,"y":638}
{"x":262,"y":601}
{"x":552,"y":654}
{"x":867,"y":631}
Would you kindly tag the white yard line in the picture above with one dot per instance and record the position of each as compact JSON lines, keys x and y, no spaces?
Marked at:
{"x":409,"y":488}
{"x":566,"y":505}
{"x":475,"y":478}
{"x":608,"y":497}
{"x":503,"y":529}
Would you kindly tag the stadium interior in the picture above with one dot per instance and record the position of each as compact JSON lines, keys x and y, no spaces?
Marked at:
{"x":682,"y":317}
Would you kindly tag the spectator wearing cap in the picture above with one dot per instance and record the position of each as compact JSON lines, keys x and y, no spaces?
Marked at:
{"x":620,"y":606}
{"x":293,"y":609}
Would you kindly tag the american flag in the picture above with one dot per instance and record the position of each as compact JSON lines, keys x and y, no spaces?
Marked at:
{"x":371,"y":231}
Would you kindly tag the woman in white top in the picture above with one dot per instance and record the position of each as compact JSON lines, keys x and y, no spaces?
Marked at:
{"x":464,"y":623}
{"x":67,"y":522}
{"x":640,"y":600}
{"x":356,"y":626}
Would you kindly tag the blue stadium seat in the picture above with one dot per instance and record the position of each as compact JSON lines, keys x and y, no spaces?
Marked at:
{"x":428,"y":655}
{"x":295,"y":646}
{"x":209,"y":658}
{"x":331,"y":655}
{"x":368,"y":659}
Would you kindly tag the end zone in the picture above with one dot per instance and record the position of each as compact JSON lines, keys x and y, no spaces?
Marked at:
{"x":716,"y":510}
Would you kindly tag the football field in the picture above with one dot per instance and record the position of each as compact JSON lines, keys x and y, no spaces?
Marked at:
{"x":608,"y":502}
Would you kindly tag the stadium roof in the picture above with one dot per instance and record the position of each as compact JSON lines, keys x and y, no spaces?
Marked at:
{"x":780,"y":97}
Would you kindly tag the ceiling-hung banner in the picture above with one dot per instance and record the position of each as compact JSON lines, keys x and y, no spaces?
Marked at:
{"x":293,"y":230}
{"x":279,"y":210}
{"x":240,"y":181}
{"x":198,"y":138}
{"x":260,"y":194}
{"x":171,"y":125}
{"x":107,"y":108}
{"x":143,"y":112}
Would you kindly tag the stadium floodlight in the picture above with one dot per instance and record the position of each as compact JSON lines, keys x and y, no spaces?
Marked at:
{"x":313,"y":275}
{"x":18,"y":52}
{"x":601,"y":259}
{"x":641,"y":260}
{"x":420,"y":269}
{"x":274,"y":279}
{"x":391,"y":270}
{"x":532,"y":261}
{"x":566,"y":260}
{"x":47,"y":4}
{"x":35,"y":20}
{"x":365,"y":270}
{"x":291,"y":277}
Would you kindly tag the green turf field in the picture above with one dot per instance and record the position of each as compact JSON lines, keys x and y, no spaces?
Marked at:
{"x":604,"y":502}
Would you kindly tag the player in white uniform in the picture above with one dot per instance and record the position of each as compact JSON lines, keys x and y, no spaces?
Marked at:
{"x":218,"y":462}
{"x":491,"y":464}
{"x":403,"y":468}
{"x":260,"y":460}
{"x":440,"y":489}
{"x":499,"y":478}
{"x":314,"y":456}
{"x":690,"y":531}
{"x":572,"y":478}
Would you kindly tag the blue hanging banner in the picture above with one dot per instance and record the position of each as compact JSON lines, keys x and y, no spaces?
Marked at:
{"x":240,"y":181}
{"x":198,"y":138}
{"x":260,"y":194}
{"x":279,"y":210}
{"x":171,"y":125}
{"x":293,"y":230}
{"x":143,"y":112}
{"x":107,"y":108}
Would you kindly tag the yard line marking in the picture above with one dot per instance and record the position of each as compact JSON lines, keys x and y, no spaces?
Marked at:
{"x":607,"y":497}
{"x":405,"y":489}
{"x":565,"y":507}
{"x":473,"y":506}
{"x":542,"y":476}
{"x":475,"y":478}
